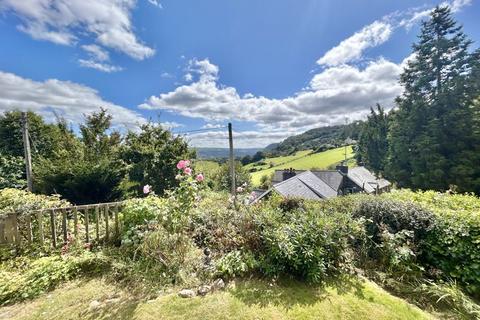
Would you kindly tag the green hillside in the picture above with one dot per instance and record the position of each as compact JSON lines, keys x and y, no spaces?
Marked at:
{"x":302,"y":160}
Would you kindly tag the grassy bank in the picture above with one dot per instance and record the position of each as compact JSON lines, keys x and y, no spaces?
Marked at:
{"x":253,"y":299}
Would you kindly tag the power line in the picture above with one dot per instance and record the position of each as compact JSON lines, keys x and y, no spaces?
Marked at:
{"x":199,"y":130}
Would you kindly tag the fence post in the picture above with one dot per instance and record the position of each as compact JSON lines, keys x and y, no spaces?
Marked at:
{"x":107,"y":229}
{"x":64,"y":226}
{"x":97,"y":223}
{"x":87,"y":229}
{"x":53,"y":228}
{"x":75,"y":222}
{"x":117,"y":226}
{"x":40,"y":227}
{"x":28,"y":221}
{"x":16,"y":232}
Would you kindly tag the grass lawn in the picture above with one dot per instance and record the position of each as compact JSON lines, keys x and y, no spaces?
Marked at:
{"x":206,"y":167}
{"x":303,"y":160}
{"x":252,"y":299}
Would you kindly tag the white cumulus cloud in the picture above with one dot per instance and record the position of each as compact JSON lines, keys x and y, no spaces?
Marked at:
{"x":68,"y":99}
{"x":66,"y":22}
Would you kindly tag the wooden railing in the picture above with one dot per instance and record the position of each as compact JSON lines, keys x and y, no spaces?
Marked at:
{"x":53,"y":225}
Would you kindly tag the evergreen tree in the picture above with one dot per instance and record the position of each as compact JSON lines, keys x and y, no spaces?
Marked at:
{"x":372,"y":146}
{"x":430,"y":137}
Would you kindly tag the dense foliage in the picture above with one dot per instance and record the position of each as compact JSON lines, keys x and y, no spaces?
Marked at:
{"x":372,"y":145}
{"x":100,"y":165}
{"x":11,"y":172}
{"x":151,"y":155}
{"x":433,"y":134}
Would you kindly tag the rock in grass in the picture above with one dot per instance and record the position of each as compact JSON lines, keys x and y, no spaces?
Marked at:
{"x":94,"y":305}
{"x":186,"y":293}
{"x":218,"y":284}
{"x":203,"y":290}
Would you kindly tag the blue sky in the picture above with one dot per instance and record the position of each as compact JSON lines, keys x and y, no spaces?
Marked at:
{"x":272,"y":67}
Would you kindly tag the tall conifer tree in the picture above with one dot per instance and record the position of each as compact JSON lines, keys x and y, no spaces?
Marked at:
{"x":431,"y":138}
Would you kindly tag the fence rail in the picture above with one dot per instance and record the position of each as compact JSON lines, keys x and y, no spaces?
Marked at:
{"x":57,"y":225}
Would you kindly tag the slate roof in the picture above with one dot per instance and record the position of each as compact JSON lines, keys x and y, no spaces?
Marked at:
{"x":366,"y":180}
{"x":332,"y":177}
{"x":323,"y":184}
{"x":305,"y":185}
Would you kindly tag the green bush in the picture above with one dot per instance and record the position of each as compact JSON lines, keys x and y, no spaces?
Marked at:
{"x":217,"y":225}
{"x":176,"y":253}
{"x":140,"y":211}
{"x":21,"y":200}
{"x":307,"y":244}
{"x":453,"y":245}
{"x":236,"y":263}
{"x":395,"y":216}
{"x":23,"y":278}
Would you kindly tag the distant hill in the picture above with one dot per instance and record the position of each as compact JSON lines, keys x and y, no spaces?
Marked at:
{"x":301,"y":160}
{"x":315,"y":139}
{"x":222,"y":153}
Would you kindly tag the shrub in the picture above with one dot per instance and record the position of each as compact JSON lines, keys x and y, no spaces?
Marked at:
{"x":453,"y":245}
{"x":307,"y":244}
{"x":34,"y":277}
{"x":222,"y":228}
{"x":20,"y":200}
{"x":236,"y":263}
{"x":397,"y":233}
{"x":140,"y":211}
{"x":176,"y":253}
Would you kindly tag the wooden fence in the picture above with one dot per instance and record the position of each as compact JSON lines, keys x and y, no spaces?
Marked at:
{"x":54,"y":226}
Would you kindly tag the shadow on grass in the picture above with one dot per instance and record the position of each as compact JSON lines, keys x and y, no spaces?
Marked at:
{"x":124,"y":309}
{"x":289,"y":292}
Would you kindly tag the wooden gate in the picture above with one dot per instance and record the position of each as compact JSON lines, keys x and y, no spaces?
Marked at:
{"x":95,"y":222}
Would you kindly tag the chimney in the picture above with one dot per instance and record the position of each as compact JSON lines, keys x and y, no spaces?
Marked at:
{"x":288,"y":173}
{"x":343,"y":169}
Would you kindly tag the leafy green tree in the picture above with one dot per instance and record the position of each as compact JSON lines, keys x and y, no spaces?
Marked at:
{"x":223,"y":180}
{"x":152,"y":155}
{"x":259,"y":155}
{"x":98,"y":142}
{"x":44,"y":137}
{"x":430,"y":138}
{"x":373,"y":146}
{"x":87,"y":169}
{"x":12,"y":172}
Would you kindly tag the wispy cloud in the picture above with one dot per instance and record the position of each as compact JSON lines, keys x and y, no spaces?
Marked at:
{"x":378,"y":32}
{"x":68,"y":99}
{"x":104,"y":67}
{"x":66,"y":22}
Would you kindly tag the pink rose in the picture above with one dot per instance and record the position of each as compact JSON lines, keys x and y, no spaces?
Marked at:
{"x":239,"y":189}
{"x":181,"y":164}
{"x":200,"y":177}
{"x":187,"y":163}
{"x":187,"y":171}
{"x":147,"y":189}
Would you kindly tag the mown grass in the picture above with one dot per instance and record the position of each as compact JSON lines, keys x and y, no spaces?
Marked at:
{"x":250,"y":299}
{"x":303,"y":160}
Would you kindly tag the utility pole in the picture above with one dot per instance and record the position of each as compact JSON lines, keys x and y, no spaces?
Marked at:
{"x":232,"y":163}
{"x":28,"y":155}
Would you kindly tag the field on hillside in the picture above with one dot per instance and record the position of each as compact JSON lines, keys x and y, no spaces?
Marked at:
{"x":302,"y":160}
{"x":206,"y":166}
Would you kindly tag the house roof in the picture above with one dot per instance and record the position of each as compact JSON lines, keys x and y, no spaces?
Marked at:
{"x":305,"y":185}
{"x":332,"y":177}
{"x":366,"y":180}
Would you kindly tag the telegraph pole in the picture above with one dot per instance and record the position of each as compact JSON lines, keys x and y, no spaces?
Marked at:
{"x":28,"y":155}
{"x":232,"y":163}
